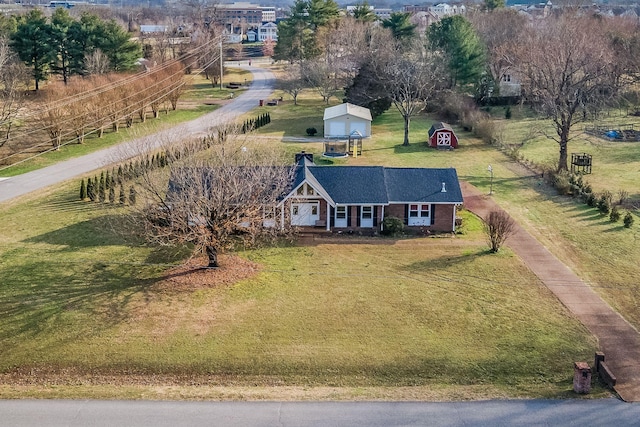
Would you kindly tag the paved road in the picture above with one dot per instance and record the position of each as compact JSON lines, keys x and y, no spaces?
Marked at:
{"x":618,"y":339}
{"x":566,"y":413}
{"x":17,"y":186}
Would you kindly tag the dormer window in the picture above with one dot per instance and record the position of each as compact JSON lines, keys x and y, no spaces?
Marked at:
{"x":305,"y":190}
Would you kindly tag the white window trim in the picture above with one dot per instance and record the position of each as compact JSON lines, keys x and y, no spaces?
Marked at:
{"x":419,"y":220}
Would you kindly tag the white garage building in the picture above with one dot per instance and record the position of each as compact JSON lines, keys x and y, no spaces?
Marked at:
{"x":347,"y":119}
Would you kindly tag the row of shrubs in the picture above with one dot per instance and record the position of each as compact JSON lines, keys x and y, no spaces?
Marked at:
{"x":258,"y":122}
{"x":104,"y":190}
{"x":101,"y":189}
{"x":570,"y":184}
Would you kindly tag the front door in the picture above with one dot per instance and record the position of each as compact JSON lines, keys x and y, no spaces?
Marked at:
{"x":341,"y":216}
{"x":305,"y":214}
{"x":366,"y":217}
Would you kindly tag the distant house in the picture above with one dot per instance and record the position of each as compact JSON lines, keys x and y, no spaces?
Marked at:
{"x":339,"y":198}
{"x":441,"y":135}
{"x":268,"y":31}
{"x":154,"y":29}
{"x":344,"y":120}
{"x":252,"y":36}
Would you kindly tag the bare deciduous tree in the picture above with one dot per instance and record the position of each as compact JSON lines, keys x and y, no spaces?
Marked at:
{"x":566,"y":67}
{"x":13,"y":75}
{"x":319,"y":75}
{"x":498,"y":227}
{"x":412,"y":78}
{"x":214,"y":199}
{"x":499,"y":30}
{"x":290,"y":81}
{"x":96,"y":62}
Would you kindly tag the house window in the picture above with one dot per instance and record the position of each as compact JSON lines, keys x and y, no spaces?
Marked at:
{"x":341,"y":212}
{"x":305,"y":190}
{"x":367,"y":212}
{"x":294,"y":210}
{"x":419,"y":215}
{"x":314,"y":210}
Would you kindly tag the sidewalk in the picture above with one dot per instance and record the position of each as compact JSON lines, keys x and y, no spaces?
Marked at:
{"x":619,"y":341}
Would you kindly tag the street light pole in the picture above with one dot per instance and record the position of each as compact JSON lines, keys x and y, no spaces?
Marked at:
{"x":221,"y":64}
{"x":490,"y":169}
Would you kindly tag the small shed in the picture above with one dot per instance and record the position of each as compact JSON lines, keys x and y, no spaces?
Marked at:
{"x":441,"y":135}
{"x":341,"y":121}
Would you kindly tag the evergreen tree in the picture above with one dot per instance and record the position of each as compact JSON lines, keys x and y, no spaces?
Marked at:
{"x":91,"y":189}
{"x":363,"y":13}
{"x":32,"y":43}
{"x":132,"y":195}
{"x":107,"y":181}
{"x":112,"y":194}
{"x":101,"y":188}
{"x":400,"y":25}
{"x":455,"y":36}
{"x":116,"y":43}
{"x":83,"y":190}
{"x":122,"y":197}
{"x":61,"y":62}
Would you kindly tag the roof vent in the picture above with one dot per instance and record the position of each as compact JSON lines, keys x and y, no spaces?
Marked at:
{"x":444,"y":189}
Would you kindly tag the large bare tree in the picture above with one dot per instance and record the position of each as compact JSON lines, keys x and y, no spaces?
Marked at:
{"x":500,"y":31}
{"x":412,"y":78}
{"x":566,"y":67}
{"x":290,"y":81}
{"x":13,"y":75}
{"x":216,"y":198}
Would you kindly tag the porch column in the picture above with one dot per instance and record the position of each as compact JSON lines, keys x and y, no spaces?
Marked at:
{"x":382,"y":219}
{"x":282,"y":216}
{"x":455,"y":208}
{"x":328,"y":227}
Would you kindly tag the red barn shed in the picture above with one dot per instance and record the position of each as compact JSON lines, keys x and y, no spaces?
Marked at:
{"x":442,"y":136}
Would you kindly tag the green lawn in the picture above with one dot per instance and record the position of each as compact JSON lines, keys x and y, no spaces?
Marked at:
{"x":422,"y":318}
{"x":80,"y":306}
{"x":601,"y":252}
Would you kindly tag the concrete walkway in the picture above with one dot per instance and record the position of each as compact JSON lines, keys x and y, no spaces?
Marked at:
{"x":619,"y":341}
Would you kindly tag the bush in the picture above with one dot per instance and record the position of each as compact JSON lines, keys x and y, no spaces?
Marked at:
{"x":615,"y":214}
{"x":591,"y":200}
{"x":312,"y":131}
{"x":498,"y":227}
{"x":603,"y":205}
{"x":507,"y":112}
{"x":562,"y":182}
{"x":392,"y":226}
{"x":488,"y":130}
{"x":628,"y":220}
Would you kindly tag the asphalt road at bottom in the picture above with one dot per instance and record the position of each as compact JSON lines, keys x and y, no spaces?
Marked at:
{"x":88,"y":413}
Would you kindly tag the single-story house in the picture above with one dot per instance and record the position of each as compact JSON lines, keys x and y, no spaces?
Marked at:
{"x":346,"y":119}
{"x":360,"y":197}
{"x":441,"y":135}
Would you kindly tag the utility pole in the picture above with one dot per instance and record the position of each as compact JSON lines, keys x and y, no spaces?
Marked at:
{"x":221,"y":65}
{"x":490,"y":169}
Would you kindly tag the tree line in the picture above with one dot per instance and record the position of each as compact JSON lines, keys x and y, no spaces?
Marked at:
{"x":568,"y":66}
{"x":65,"y":46}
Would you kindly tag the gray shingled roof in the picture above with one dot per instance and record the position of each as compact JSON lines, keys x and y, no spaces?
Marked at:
{"x":352,"y":184}
{"x":422,"y":185}
{"x":380,"y":185}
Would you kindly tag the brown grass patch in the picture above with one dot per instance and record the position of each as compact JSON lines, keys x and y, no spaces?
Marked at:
{"x":193,"y":274}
